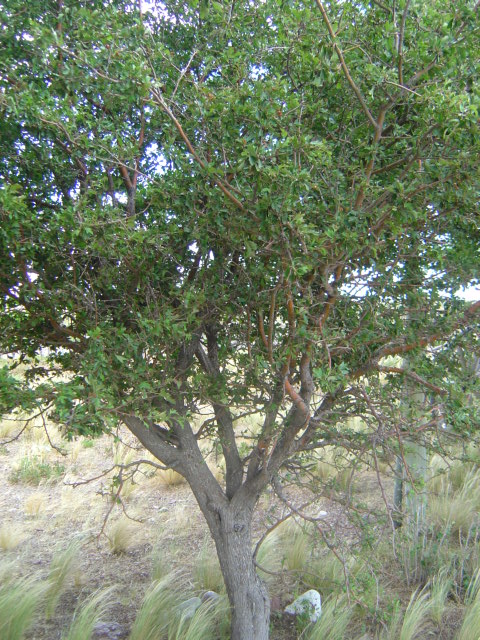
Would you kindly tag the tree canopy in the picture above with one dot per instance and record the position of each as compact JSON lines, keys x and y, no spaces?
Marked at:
{"x":217,"y":208}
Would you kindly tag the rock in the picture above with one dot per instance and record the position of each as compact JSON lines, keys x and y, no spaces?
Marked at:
{"x":109,"y":631}
{"x":187,"y":609}
{"x":309,"y":603}
{"x":210,"y":595}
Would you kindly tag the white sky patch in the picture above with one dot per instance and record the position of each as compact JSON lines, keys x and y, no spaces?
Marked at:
{"x":470,"y":294}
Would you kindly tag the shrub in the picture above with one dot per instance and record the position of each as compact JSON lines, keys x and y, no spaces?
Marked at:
{"x":32,"y":470}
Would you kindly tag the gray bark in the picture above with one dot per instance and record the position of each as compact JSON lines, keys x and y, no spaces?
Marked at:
{"x":246,"y":592}
{"x":410,"y":497}
{"x":229,"y":521}
{"x":398,"y":493}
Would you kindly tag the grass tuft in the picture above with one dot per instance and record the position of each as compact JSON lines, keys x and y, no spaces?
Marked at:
{"x":120,"y":536}
{"x":333,"y":622}
{"x":471,"y":618}
{"x":471,"y":623}
{"x":20,"y":601}
{"x":155,"y":615}
{"x":297,"y":553}
{"x":34,"y":504}
{"x":326,"y":573}
{"x":31,"y":470}
{"x":207,"y":574}
{"x":9,"y":427}
{"x":199,"y":627}
{"x":89,"y":614}
{"x":169,"y":478}
{"x":440,"y":587}
{"x":62,"y":567}
{"x":416,"y":618}
{"x":10,"y":536}
{"x":269,"y":556}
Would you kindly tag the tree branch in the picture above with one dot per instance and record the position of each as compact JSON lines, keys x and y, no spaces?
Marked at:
{"x":413,"y":376}
{"x":161,"y":101}
{"x":401,"y":35}
{"x":154,"y":442}
{"x":349,"y":78}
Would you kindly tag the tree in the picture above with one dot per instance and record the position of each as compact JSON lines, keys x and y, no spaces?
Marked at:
{"x":211,"y":205}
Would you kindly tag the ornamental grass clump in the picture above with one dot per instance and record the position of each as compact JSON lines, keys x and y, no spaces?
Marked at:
{"x":62,"y":568}
{"x":20,"y":602}
{"x":88,"y":614}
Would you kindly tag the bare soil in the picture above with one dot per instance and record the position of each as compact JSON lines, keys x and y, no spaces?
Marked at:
{"x":163,"y":518}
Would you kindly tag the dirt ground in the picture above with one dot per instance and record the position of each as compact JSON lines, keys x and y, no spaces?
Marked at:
{"x":68,"y":511}
{"x":42,"y":519}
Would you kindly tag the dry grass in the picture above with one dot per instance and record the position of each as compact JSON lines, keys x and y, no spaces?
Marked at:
{"x":128,"y":489}
{"x":9,"y":427}
{"x":34,"y":505}
{"x":169,"y":478}
{"x":121,"y":535}
{"x":11,"y":536}
{"x":325,"y":468}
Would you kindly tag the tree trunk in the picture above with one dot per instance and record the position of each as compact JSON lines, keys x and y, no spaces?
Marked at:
{"x":247,"y":593}
{"x":249,"y":600}
{"x":230,"y":524}
{"x":398,"y":493}
{"x":415,"y":494}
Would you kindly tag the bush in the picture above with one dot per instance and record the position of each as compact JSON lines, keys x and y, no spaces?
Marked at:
{"x":32,"y":470}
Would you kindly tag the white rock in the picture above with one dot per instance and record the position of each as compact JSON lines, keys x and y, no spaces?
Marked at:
{"x":309,"y":603}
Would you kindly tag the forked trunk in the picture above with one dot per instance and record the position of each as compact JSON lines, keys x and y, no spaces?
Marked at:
{"x":230,"y":523}
{"x":247,"y":593}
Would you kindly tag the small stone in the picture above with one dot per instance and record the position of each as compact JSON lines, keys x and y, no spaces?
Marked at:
{"x":309,"y":603}
{"x":109,"y":631}
{"x":210,"y":595}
